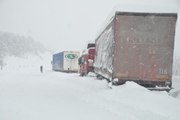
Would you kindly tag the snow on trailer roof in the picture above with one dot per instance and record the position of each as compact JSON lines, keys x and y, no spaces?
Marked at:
{"x":68,"y":51}
{"x":72,"y":51}
{"x":145,"y":14}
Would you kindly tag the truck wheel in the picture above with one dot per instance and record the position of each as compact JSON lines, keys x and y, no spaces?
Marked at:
{"x":99,"y":77}
{"x":81,"y":74}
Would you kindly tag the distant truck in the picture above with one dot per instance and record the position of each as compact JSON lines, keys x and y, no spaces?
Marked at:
{"x":66,"y":61}
{"x":86,"y":60}
{"x":137,"y":47}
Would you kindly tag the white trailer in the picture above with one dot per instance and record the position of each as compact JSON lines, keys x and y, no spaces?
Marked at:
{"x":66,"y":61}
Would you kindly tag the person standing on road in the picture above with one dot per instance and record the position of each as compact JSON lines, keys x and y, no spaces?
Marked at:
{"x":41,"y":69}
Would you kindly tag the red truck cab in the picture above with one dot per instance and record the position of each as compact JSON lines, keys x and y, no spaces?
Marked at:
{"x":86,"y":60}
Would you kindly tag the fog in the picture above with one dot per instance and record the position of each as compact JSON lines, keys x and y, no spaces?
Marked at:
{"x":68,"y":24}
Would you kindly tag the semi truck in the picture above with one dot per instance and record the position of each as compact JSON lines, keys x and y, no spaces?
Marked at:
{"x":137,"y":47}
{"x":86,"y":60}
{"x":66,"y":61}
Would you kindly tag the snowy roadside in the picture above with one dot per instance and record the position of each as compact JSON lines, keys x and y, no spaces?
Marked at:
{"x":54,"y":95}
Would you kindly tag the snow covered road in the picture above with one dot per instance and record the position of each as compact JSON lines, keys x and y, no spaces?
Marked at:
{"x":61,"y":96}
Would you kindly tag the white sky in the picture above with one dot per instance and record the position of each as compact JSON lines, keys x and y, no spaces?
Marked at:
{"x":67,"y":24}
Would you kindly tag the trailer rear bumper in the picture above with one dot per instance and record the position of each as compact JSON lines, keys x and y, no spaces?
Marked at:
{"x":160,"y":89}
